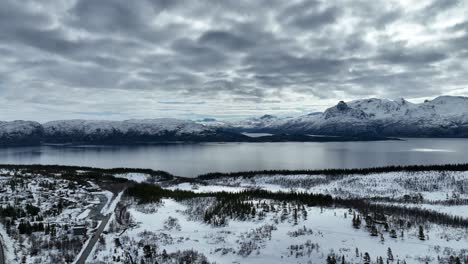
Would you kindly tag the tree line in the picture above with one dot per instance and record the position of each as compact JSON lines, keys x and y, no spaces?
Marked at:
{"x":150,"y":193}
{"x":418,"y":214}
{"x":339,"y":172}
{"x":147,"y":193}
{"x":53,"y":169}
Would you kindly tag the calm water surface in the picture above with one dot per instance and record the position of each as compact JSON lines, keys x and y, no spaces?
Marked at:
{"x":194,"y":159}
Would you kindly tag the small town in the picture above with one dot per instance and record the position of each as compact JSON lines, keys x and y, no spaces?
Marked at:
{"x":48,"y":219}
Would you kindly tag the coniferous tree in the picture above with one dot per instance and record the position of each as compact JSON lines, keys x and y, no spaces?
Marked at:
{"x":374,"y":231}
{"x":331,"y":259}
{"x":389,"y":254}
{"x":295,"y":216}
{"x":366,"y":258}
{"x":356,"y":222}
{"x":304,"y":213}
{"x":380,"y":260}
{"x":421,"y":235}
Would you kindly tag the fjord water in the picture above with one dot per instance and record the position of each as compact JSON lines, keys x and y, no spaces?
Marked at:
{"x":193,"y":159}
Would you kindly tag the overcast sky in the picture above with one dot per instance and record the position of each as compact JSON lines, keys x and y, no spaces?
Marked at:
{"x":120,"y":59}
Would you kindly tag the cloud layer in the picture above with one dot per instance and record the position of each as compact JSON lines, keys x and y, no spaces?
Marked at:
{"x":117,"y":59}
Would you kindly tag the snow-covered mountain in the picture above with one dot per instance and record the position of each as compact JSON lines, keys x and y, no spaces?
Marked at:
{"x":140,"y":127}
{"x":445,"y":116}
{"x":110,"y":132}
{"x":20,"y":133}
{"x":265,"y":122}
{"x":130,"y":131}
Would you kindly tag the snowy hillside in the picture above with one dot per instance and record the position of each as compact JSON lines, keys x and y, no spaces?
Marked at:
{"x":408,"y":217}
{"x":129,"y":131}
{"x":143,"y":131}
{"x":445,"y":116}
{"x":265,"y":122}
{"x":61,"y":214}
{"x":20,"y":132}
{"x":143,"y":127}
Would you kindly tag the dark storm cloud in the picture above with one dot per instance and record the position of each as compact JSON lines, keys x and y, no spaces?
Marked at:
{"x":52,"y":41}
{"x":24,"y":26}
{"x":14,"y":14}
{"x":225,"y":40}
{"x":274,"y":63}
{"x":412,"y":56}
{"x":393,"y":83}
{"x":179,"y":52}
{"x":438,"y":6}
{"x":110,"y":16}
{"x":310,"y":15}
{"x":198,"y":57}
{"x":182,"y":103}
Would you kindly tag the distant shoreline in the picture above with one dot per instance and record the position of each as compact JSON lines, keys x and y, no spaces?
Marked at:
{"x":244,"y":174}
{"x":246,"y":139}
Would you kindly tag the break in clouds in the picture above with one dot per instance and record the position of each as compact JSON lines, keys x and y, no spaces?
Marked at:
{"x":118,"y":59}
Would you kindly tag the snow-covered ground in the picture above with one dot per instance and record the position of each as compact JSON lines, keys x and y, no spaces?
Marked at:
{"x":199,"y":188}
{"x":273,"y":231}
{"x":133,"y":176}
{"x":174,"y":227}
{"x":49,"y":210}
{"x":274,"y":240}
{"x":109,"y":195}
{"x":431,"y":185}
{"x":113,"y":204}
{"x":8,"y":246}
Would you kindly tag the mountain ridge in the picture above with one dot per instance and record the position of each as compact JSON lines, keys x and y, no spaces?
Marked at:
{"x":444,"y":116}
{"x":372,"y":118}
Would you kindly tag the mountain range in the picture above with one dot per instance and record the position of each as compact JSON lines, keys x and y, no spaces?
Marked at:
{"x":444,"y":116}
{"x":110,"y":132}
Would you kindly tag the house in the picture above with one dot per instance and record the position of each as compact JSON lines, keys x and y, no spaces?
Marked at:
{"x":79,"y":230}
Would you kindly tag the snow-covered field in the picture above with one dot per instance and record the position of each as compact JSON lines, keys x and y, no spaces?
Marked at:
{"x":420,"y":219}
{"x":277,"y":238}
{"x":133,"y":176}
{"x":307,"y":235}
{"x":430,"y":185}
